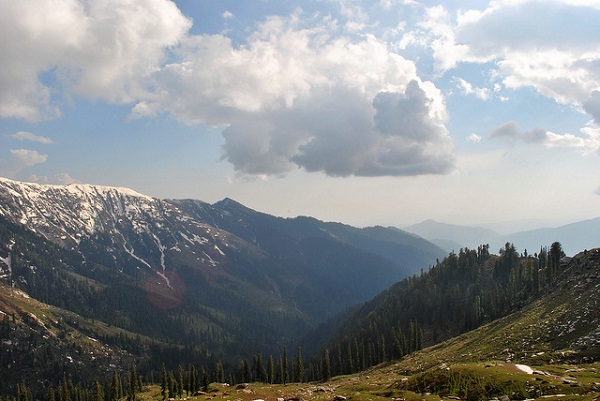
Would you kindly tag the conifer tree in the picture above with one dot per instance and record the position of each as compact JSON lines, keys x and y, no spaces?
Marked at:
{"x":191,"y":386}
{"x":556,"y":254}
{"x":280,"y":370}
{"x":132,"y":384}
{"x":270,"y":370}
{"x":50,"y":394}
{"x":164,"y":385}
{"x":326,"y":366}
{"x":245,"y":372}
{"x":65,"y":393}
{"x":171,"y":384}
{"x":97,"y":392}
{"x":23,"y":393}
{"x":261,"y":372}
{"x":115,"y":386}
{"x":180,"y":382}
{"x":219,"y":372}
{"x":285,"y":366}
{"x":349,"y":361}
{"x":205,"y":381}
{"x":299,"y":367}
{"x":338,"y":366}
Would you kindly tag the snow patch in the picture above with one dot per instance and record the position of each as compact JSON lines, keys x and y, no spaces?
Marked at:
{"x":220,"y":251}
{"x":211,"y":261}
{"x":194,"y":239}
{"x":524,"y":368}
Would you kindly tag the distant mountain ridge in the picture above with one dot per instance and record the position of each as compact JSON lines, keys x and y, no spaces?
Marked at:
{"x":574,"y":237}
{"x":276,"y":234}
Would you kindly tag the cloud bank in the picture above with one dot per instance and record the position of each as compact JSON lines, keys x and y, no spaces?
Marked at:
{"x":316,"y":92}
{"x":299,"y":93}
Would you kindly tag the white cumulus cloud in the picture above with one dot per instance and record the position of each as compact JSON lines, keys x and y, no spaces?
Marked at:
{"x":98,"y":49}
{"x":298,"y":96}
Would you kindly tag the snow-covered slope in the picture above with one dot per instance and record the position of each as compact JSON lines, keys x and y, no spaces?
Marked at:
{"x":217,"y":252}
{"x":149,"y":231}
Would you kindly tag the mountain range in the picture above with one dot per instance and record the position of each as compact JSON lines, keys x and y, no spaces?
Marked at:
{"x":95,"y":280}
{"x":573,"y":237}
{"x":222,"y":278}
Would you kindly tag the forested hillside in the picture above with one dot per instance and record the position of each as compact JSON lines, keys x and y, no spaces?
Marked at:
{"x":461,"y":292}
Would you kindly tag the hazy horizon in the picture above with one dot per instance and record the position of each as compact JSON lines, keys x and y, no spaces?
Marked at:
{"x":367,"y":113}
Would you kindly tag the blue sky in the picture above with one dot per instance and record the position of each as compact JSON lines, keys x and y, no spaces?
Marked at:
{"x":383,"y":112}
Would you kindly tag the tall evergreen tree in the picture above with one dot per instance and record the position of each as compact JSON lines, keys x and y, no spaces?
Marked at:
{"x":261,"y":371}
{"x":556,"y":254}
{"x":205,"y":380}
{"x":65,"y":393}
{"x":164,"y":386}
{"x":270,"y":370}
{"x":50,"y":394}
{"x":132,"y":387}
{"x":191,"y":386}
{"x":171,"y":385}
{"x":326,"y":366}
{"x":285,"y":366}
{"x":299,"y":366}
{"x":97,"y":392}
{"x":219,"y":372}
{"x":180,"y":382}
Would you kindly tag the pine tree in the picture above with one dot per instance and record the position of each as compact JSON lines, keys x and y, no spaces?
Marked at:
{"x":326,"y":366}
{"x":23,"y":393}
{"x":270,"y":370}
{"x":191,"y":386}
{"x":132,"y":384}
{"x":65,"y":393}
{"x":205,"y":381}
{"x":50,"y":394}
{"x":261,"y":373}
{"x":349,"y":361}
{"x":180,"y":382}
{"x":97,"y":392}
{"x":556,"y":254}
{"x":280,"y":370}
{"x":338,"y":366}
{"x":115,"y":387}
{"x":219,"y":373}
{"x":164,"y":385}
{"x":246,"y":372}
{"x":285,"y":366}
{"x":299,"y":367}
{"x":171,"y":384}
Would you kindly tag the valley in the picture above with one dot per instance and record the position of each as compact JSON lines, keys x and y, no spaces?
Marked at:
{"x":100,"y":283}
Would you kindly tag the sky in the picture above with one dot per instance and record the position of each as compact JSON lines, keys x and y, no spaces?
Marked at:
{"x":383,"y":112}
